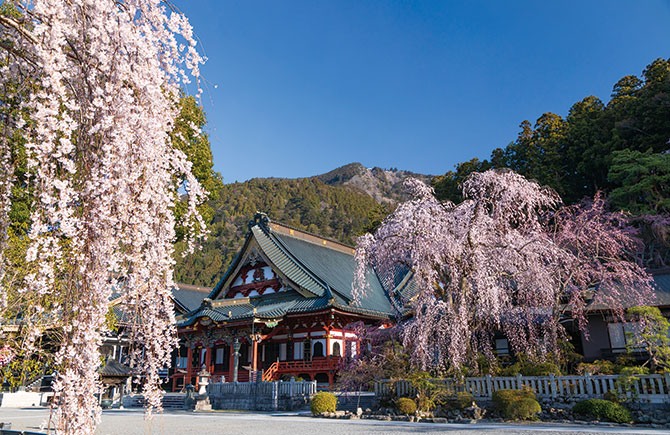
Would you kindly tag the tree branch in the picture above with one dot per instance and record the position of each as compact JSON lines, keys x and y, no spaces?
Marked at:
{"x":13,"y":24}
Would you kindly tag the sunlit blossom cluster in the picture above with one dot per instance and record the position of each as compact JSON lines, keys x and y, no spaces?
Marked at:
{"x":6,"y":355}
{"x":107,"y":74}
{"x":507,"y":259}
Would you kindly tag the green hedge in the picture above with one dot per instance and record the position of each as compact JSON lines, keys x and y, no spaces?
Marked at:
{"x":516,"y":404}
{"x":602,"y":410}
{"x":502,"y":398}
{"x":406,"y":406}
{"x":323,"y":402}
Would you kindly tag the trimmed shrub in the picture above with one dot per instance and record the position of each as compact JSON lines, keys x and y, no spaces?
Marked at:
{"x":460,"y":400}
{"x":602,"y":410}
{"x":516,"y":404}
{"x":323,"y":402}
{"x":523,"y":409}
{"x":406,"y":406}
{"x":502,"y":398}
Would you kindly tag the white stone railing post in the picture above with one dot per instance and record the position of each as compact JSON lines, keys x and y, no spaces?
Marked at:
{"x":275,"y":395}
{"x":489,"y":386}
{"x":589,"y":384}
{"x":552,"y":385}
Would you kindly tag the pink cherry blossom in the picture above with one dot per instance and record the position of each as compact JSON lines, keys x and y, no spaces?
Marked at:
{"x":106,"y":75}
{"x":507,"y":259}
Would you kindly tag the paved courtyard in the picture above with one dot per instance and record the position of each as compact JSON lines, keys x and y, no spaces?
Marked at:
{"x":233,"y":423}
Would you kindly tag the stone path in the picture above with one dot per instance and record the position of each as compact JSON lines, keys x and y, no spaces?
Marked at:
{"x":117,"y":422}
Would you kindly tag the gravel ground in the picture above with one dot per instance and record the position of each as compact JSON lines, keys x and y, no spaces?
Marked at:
{"x":132,"y":423}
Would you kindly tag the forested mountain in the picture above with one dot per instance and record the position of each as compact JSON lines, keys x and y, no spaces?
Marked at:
{"x":341,"y":204}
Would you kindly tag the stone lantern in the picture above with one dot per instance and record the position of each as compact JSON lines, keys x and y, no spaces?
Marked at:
{"x":203,"y":380}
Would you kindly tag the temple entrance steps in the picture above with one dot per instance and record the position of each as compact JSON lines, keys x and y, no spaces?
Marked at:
{"x":174,"y":401}
{"x":170,"y":401}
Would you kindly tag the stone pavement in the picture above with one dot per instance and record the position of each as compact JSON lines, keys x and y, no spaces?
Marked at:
{"x":116,"y":422}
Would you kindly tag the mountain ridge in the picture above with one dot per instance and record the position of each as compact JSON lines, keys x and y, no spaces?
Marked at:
{"x":341,"y":204}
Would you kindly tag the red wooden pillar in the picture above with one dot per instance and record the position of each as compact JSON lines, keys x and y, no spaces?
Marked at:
{"x":208,"y":359}
{"x":189,"y":366}
{"x":231,"y":363}
{"x":254,"y":355}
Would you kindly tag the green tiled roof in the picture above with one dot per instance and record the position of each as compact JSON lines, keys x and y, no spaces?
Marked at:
{"x":324,"y":270}
{"x":337,"y":269}
{"x":285,"y":260}
{"x":271,"y":306}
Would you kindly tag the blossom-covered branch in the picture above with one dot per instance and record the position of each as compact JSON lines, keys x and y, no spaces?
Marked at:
{"x":107,"y":79}
{"x":509,"y":259}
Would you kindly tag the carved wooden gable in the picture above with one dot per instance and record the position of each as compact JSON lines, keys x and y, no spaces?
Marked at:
{"x":255,"y":278}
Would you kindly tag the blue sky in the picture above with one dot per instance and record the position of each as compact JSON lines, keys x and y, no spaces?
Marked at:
{"x":306,"y":86}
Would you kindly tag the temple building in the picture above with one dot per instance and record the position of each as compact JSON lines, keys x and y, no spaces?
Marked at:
{"x":285,"y":303}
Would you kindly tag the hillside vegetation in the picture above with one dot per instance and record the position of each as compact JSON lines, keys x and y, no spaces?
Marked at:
{"x":307,"y":203}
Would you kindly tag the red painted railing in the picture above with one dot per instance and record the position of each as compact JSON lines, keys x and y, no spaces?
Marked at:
{"x":327,"y":363}
{"x":271,"y":372}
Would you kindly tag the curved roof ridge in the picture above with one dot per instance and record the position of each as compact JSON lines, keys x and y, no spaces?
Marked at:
{"x":287,"y":252}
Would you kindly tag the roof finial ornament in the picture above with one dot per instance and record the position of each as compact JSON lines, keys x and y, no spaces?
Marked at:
{"x":261,"y":219}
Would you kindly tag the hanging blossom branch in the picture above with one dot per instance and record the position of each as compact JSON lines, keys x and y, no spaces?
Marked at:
{"x":103,"y":170}
{"x":508,"y":259}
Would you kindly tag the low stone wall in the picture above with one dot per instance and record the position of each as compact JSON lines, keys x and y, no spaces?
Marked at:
{"x":24,"y":399}
{"x":261,"y":396}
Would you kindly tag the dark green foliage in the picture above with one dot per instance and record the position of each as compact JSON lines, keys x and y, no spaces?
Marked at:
{"x":460,"y":400}
{"x":323,"y":402}
{"x":448,"y":186}
{"x":615,"y":147}
{"x":195,"y":144}
{"x":602,"y":410}
{"x":406,"y":406}
{"x":611,"y":396}
{"x":502,"y":398}
{"x":523,"y":409}
{"x":526,"y":367}
{"x":516,"y":404}
{"x":597,"y":367}
{"x":305,"y":203}
{"x":643,"y":179}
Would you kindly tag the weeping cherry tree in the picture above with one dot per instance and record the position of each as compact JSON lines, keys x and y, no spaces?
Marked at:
{"x":508,"y":258}
{"x":94,"y":88}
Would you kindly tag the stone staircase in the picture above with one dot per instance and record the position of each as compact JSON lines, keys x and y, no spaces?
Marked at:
{"x":170,"y":401}
{"x":41,"y":383}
